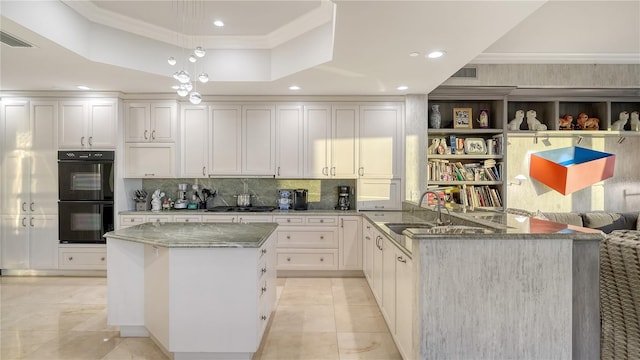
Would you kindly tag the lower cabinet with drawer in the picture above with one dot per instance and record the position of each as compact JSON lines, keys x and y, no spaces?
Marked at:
{"x":307,"y":259}
{"x":307,"y":242}
{"x":82,"y":258}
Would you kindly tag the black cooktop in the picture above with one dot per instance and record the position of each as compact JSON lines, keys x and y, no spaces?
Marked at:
{"x":241,"y":208}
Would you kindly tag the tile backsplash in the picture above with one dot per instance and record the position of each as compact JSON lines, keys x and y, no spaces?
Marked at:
{"x":322,"y":194}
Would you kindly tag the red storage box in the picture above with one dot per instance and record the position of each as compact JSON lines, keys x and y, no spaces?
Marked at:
{"x":570,"y":169}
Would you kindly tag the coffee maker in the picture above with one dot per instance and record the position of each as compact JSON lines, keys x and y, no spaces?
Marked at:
{"x":300,"y":199}
{"x":343,"y":198}
{"x":181,"y":201}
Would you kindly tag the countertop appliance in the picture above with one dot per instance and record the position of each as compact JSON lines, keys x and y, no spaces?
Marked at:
{"x":181,"y":201}
{"x":300,"y":201}
{"x":85,"y":196}
{"x":343,"y":198}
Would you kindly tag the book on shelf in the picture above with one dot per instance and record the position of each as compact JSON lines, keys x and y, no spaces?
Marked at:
{"x":443,"y":170}
{"x":479,"y":196}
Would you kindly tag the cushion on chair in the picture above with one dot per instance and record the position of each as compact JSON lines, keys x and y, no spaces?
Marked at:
{"x":608,"y":222}
{"x":565,"y":218}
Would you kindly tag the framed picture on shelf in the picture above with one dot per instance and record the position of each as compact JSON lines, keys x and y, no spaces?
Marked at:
{"x":462,"y":118}
{"x":474,"y":146}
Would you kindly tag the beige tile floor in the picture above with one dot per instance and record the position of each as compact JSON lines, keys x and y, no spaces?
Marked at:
{"x":65,"y":318}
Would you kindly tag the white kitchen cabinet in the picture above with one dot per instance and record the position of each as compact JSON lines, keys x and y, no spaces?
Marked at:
{"x":82,"y":257}
{"x":187,"y":218}
{"x":379,"y":194}
{"x":377,"y":266}
{"x":317,"y":141}
{"x":404,"y":304}
{"x":307,"y":242}
{"x":194,"y":141}
{"x":350,"y":237}
{"x":149,"y":160}
{"x":220,"y":218}
{"x":258,"y":140}
{"x":131,"y":220}
{"x":150,"y":122}
{"x":368,"y":241}
{"x":289,"y":141}
{"x":225,"y":149}
{"x":381,"y":145}
{"x":29,"y":179}
{"x":88,"y":124}
{"x":389,"y":283}
{"x":345,"y":133}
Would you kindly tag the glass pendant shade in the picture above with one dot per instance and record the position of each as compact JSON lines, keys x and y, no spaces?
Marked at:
{"x":199,"y":52}
{"x":192,"y":58}
{"x":195,"y":98}
{"x":171,"y":61}
{"x":203,"y":78}
{"x":188,"y":86}
{"x":183,"y":76}
{"x":182,"y":91}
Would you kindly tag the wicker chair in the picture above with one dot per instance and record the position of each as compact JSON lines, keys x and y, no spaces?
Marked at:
{"x":620,"y":295}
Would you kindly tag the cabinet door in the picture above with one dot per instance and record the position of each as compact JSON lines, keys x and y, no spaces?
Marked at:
{"x":350,"y":237}
{"x":258,"y":140}
{"x":404,"y":305}
{"x":16,"y":137}
{"x":194,"y":139}
{"x":317,"y":140}
{"x":15,"y":242}
{"x":377,"y":267}
{"x":220,"y":218}
{"x":44,"y":160}
{"x":148,"y":160}
{"x":389,"y":283}
{"x":136,"y":122}
{"x":72,"y":124}
{"x":43,"y":242}
{"x":103,"y":122}
{"x":367,"y":251}
{"x":289,"y":142}
{"x":163,"y":122}
{"x":380,"y":141}
{"x":226,"y":128}
{"x":344,"y":142}
{"x":379,"y":194}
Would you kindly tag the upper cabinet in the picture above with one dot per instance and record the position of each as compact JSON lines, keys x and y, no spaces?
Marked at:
{"x":150,"y":121}
{"x":225,"y":145}
{"x":258,"y":140}
{"x":289,"y":141}
{"x":381,"y":128}
{"x":88,"y":124}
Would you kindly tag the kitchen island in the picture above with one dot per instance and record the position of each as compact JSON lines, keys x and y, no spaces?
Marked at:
{"x":199,"y":290}
{"x":521,"y":288}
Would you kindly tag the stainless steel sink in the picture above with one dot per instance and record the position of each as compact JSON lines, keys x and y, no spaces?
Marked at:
{"x":398,"y":228}
{"x":449,"y":229}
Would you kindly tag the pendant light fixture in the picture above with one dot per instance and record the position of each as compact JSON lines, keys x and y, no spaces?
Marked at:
{"x":185,"y":86}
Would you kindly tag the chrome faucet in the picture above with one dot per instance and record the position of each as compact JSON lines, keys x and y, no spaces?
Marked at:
{"x":439,"y":205}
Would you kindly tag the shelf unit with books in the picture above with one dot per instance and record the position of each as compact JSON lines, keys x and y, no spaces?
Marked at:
{"x":468,"y":162}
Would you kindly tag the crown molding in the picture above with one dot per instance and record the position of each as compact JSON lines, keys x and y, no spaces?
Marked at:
{"x":556,"y":58}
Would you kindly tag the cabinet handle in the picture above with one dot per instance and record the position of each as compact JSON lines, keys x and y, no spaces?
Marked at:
{"x":361,"y":171}
{"x":278,"y":171}
{"x":325,"y":171}
{"x":233,"y":220}
{"x":401,"y":259}
{"x":333,"y":171}
{"x":342,"y":223}
{"x":263,"y":317}
{"x":264,"y":251}
{"x":145,"y":134}
{"x":321,"y":259}
{"x":368,"y":238}
{"x":264,"y":270}
{"x":321,"y":220}
{"x":90,"y":140}
{"x":31,"y":222}
{"x":102,"y":258}
{"x":204,"y":168}
{"x":31,"y":206}
{"x":321,"y":237}
{"x":24,"y":224}
{"x":149,"y":174}
{"x":24,"y":207}
{"x":153,"y":135}
{"x":288,"y":237}
{"x":264,"y":289}
{"x":288,"y":259}
{"x":186,"y":220}
{"x":82,"y":141}
{"x":70,"y":258}
{"x":131,"y":220}
{"x":288,"y":220}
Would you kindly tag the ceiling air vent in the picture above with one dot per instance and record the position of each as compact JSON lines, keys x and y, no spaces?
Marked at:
{"x":12,"y":41}
{"x":465,"y":72}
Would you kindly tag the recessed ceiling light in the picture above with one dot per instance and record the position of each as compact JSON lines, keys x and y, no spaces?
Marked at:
{"x":402,"y":87}
{"x":294,"y":87}
{"x":414,"y":54}
{"x":82,"y":87}
{"x":218,"y":23}
{"x":435,"y":54}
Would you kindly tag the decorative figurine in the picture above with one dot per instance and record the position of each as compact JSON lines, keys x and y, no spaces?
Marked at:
{"x":434,"y":146}
{"x":635,"y":121}
{"x":483,"y":119}
{"x":284,"y":202}
{"x":533,"y":123}
{"x":156,"y":203}
{"x":619,"y":124}
{"x":566,"y":122}
{"x":584,"y":122}
{"x":442,"y":148}
{"x":435,"y":118}
{"x":514,"y":124}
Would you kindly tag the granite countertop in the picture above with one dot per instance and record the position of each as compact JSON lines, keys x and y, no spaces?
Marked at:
{"x":196,"y":235}
{"x":274,"y":212}
{"x":498,"y":226}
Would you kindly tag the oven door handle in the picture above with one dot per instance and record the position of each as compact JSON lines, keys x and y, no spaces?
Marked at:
{"x":102,"y":180}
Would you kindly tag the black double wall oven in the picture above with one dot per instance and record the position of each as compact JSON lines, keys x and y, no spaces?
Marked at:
{"x":85,"y":194}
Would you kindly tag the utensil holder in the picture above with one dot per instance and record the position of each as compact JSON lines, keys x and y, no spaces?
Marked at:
{"x":141,"y":206}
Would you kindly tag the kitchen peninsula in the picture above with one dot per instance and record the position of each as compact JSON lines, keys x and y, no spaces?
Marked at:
{"x":199,"y":290}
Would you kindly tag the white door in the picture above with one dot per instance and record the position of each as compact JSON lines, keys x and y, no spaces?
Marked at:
{"x":380,"y":136}
{"x":289,"y":142}
{"x":149,"y":160}
{"x":344,"y":142}
{"x":225,"y":156}
{"x":317,"y":139}
{"x":72,"y":125}
{"x":44,"y":160}
{"x":136,"y":122}
{"x":377,"y":266}
{"x":103,"y":122}
{"x":15,"y":164}
{"x":163,"y":122}
{"x":404,"y":305}
{"x":350,"y":237}
{"x":15,"y":241}
{"x":258,"y":140}
{"x":194,"y":140}
{"x":43,"y":242}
